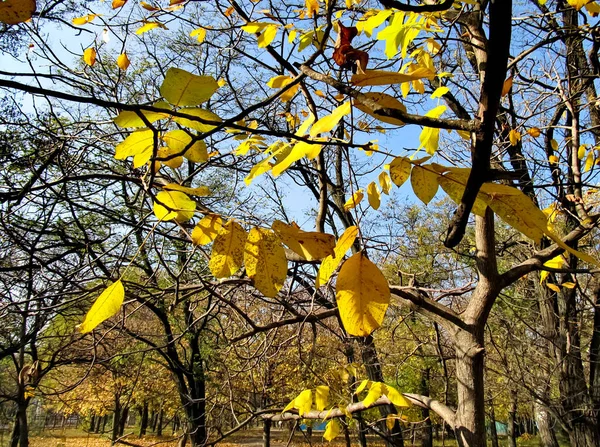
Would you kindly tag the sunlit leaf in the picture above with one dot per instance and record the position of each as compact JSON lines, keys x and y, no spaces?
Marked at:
{"x":84,"y":19}
{"x":16,"y":11}
{"x":149,"y":26}
{"x":400,"y":170}
{"x":332,"y":430}
{"x":178,"y":140}
{"x":589,"y":161}
{"x":207,"y":229}
{"x":199,"y":34}
{"x":228,"y":250}
{"x":383,"y":100}
{"x":380,"y":77}
{"x":139,"y":145}
{"x":554,"y":287}
{"x":396,"y":398}
{"x":265,"y":260}
{"x":321,"y":397}
{"x":328,"y":122}
{"x":555,"y":263}
{"x":376,"y":390}
{"x":331,"y":263}
{"x":424,"y":183}
{"x":116,"y":4}
{"x":267,"y":36}
{"x":534,"y":132}
{"x":310,"y":245}
{"x":300,"y":149}
{"x":202,"y":114}
{"x":106,"y":305}
{"x":174,"y":205}
{"x":439,"y":92}
{"x":507,"y":85}
{"x":182,"y":88}
{"x":569,"y":285}
{"x":374,"y":196}
{"x":514,"y":137}
{"x":123,"y":61}
{"x":429,"y":137}
{"x":89,"y":56}
{"x":353,"y":201}
{"x":362,"y":295}
{"x":385,"y":182}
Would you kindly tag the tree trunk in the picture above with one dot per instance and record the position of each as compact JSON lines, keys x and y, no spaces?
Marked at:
{"x":470,"y":413}
{"x":493,"y":431}
{"x":144,"y":420}
{"x":116,"y":421}
{"x":123,"y":420}
{"x":427,"y":429}
{"x":544,"y":422}
{"x":267,"y":433}
{"x":92,"y":423}
{"x":159,"y":423}
{"x":14,"y":439}
{"x":512,"y":416}
{"x":20,"y":434}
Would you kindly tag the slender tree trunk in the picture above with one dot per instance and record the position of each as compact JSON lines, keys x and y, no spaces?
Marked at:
{"x":159,"y":422}
{"x":427,"y":430}
{"x":267,"y":433}
{"x":512,"y":415}
{"x":116,"y":420}
{"x":123,"y":420}
{"x":544,"y":422}
{"x":14,"y":439}
{"x":470,"y":414}
{"x":144,"y":420}
{"x":493,"y":431}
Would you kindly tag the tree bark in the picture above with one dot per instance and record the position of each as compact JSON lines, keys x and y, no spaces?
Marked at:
{"x":512,"y":419}
{"x":427,"y":429}
{"x":144,"y":420}
{"x":493,"y":431}
{"x":116,"y":421}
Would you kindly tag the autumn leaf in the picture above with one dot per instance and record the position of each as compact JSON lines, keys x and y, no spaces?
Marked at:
{"x":380,"y":77}
{"x":429,"y":137}
{"x":424,"y":183}
{"x":182,"y":88}
{"x":353,"y":201}
{"x":176,"y":205}
{"x":16,"y":11}
{"x":139,"y":145}
{"x":200,"y":113}
{"x":514,"y":136}
{"x":89,"y":56}
{"x":177,"y":140}
{"x":228,"y":250}
{"x":507,"y":86}
{"x":332,"y":430}
{"x":383,"y":100}
{"x":362,"y":295}
{"x":265,"y":260}
{"x":149,"y":26}
{"x":310,"y":245}
{"x":331,"y":263}
{"x":207,"y":229}
{"x":312,"y":7}
{"x":84,"y":19}
{"x":400,"y":170}
{"x":199,"y":34}
{"x":321,"y":397}
{"x":534,"y":132}
{"x":328,"y":122}
{"x":123,"y":61}
{"x":302,"y":403}
{"x":374,"y":196}
{"x":385,"y":182}
{"x":106,"y":305}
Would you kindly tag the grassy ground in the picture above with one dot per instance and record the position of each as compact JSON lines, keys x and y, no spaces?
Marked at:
{"x":248,"y":438}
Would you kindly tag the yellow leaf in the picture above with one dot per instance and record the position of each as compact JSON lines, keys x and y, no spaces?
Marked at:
{"x":221,"y":82}
{"x":199,"y":113}
{"x":265,"y":260}
{"x":139,"y":145}
{"x":321,"y":397}
{"x":517,"y":210}
{"x":149,"y":7}
{"x":372,"y":22}
{"x":149,"y":26}
{"x":453,"y":183}
{"x":84,"y":19}
{"x":384,"y":100}
{"x":305,"y":125}
{"x":182,"y":88}
{"x":362,"y":295}
{"x":507,"y":86}
{"x":128,"y":118}
{"x":534,"y":132}
{"x":581,"y":151}
{"x":589,"y":161}
{"x":553,"y":159}
{"x":327,"y":123}
{"x":320,"y":93}
{"x":390,"y":421}
{"x":303,"y":402}
{"x":556,"y":263}
{"x":207,"y":229}
{"x":106,"y":305}
{"x":89,"y":56}
{"x":593,"y":8}
{"x":228,"y":250}
{"x":332,"y":430}
{"x":199,"y":33}
{"x":374,"y":196}
{"x":174,"y":205}
{"x":123,"y":61}
{"x":424,"y":183}
{"x":267,"y":36}
{"x":400,"y":170}
{"x":380,"y":77}
{"x":396,"y":398}
{"x":385,"y":182}
{"x":577,"y":4}
{"x":554,"y":287}
{"x":312,"y":7}
{"x":569,"y":285}
{"x":362,"y":386}
{"x":310,"y":245}
{"x":299,"y":150}
{"x":429,"y":137}
{"x":254,"y":27}
{"x":553,"y":144}
{"x":280,"y":82}
{"x":331,"y":263}
{"x":202,"y":191}
{"x":353,"y":201}
{"x":16,"y":11}
{"x":439,"y":92}
{"x":178,"y":140}
{"x":514,"y":137}
{"x":118,"y":3}
{"x":376,"y":390}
